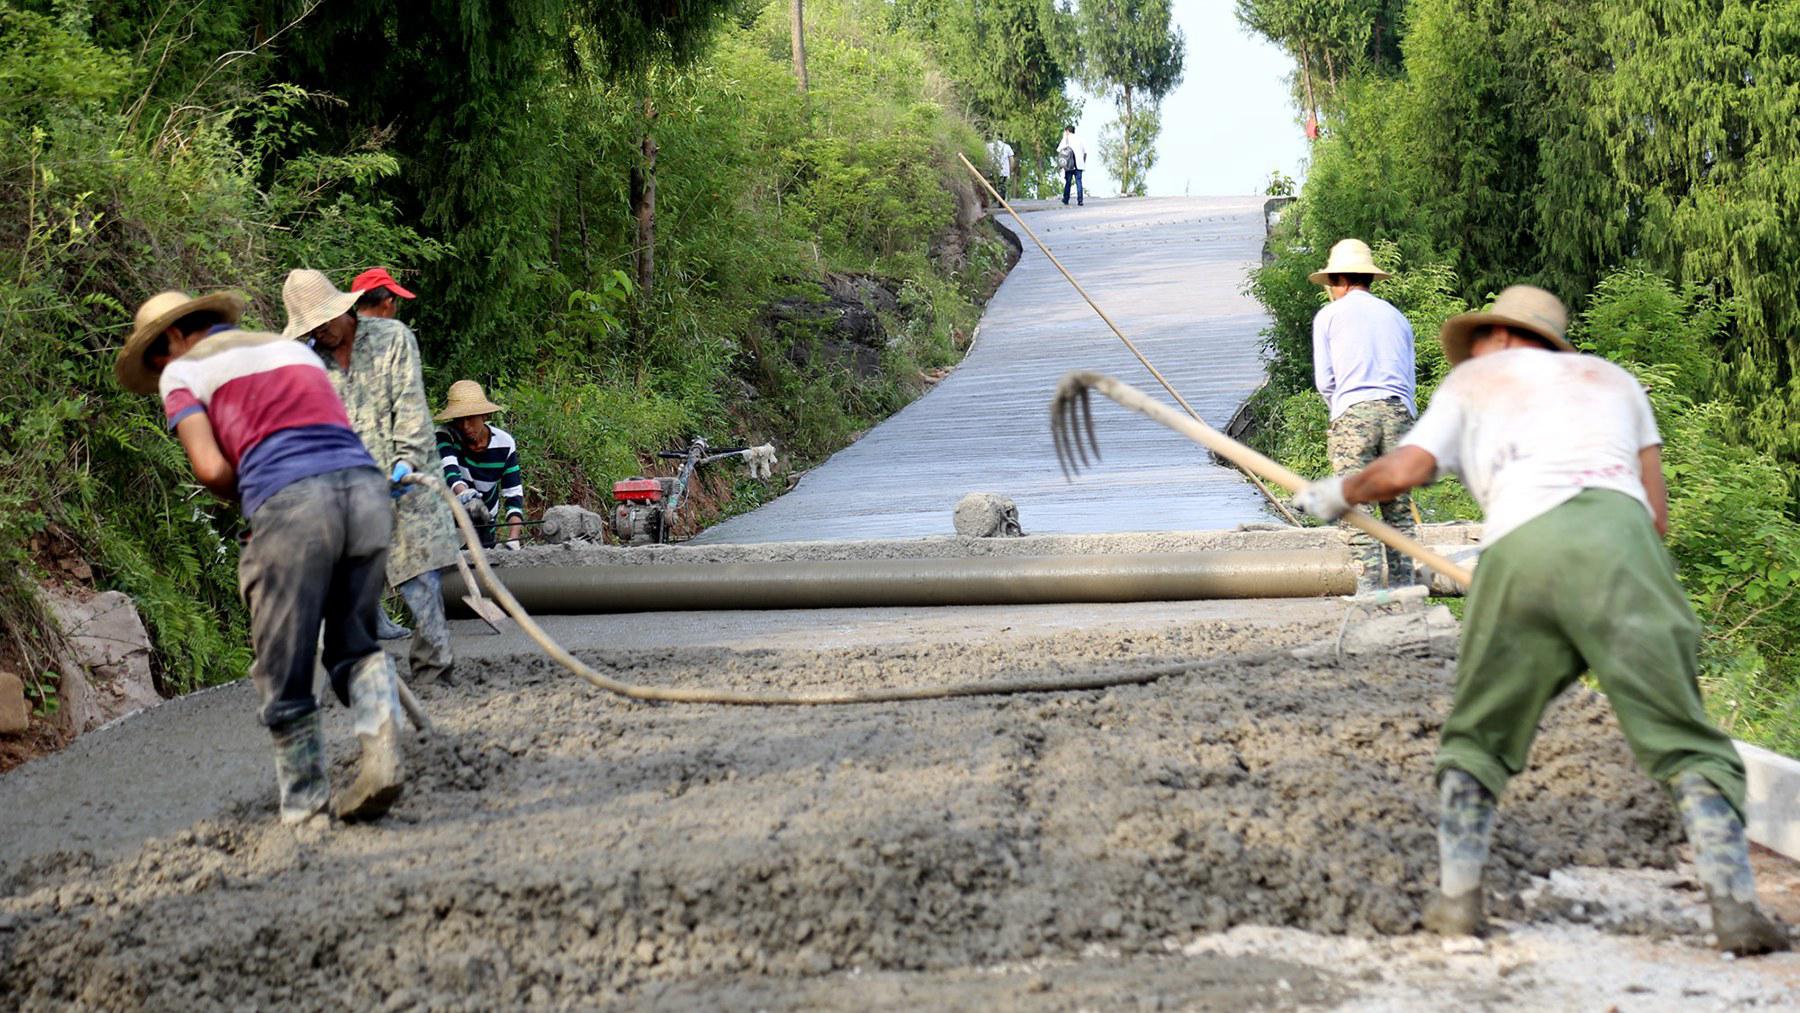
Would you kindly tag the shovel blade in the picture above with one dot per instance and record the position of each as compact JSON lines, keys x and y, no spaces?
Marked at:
{"x":486,"y":611}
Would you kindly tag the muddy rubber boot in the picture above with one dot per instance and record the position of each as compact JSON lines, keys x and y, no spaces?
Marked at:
{"x":375,"y":708}
{"x":1465,"y":824}
{"x":1722,"y":861}
{"x":387,"y":629}
{"x":300,"y":769}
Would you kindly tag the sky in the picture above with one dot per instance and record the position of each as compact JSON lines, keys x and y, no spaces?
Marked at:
{"x":1228,"y":125}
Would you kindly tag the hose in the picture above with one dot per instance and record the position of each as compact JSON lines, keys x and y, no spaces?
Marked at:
{"x":744,"y":698}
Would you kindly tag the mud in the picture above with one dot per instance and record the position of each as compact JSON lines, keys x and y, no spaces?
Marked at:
{"x":561,"y":848}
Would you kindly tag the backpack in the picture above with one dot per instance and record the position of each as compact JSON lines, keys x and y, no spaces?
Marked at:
{"x":1068,"y":160}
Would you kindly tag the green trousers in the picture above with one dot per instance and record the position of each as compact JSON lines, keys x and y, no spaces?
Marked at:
{"x":1587,"y":586}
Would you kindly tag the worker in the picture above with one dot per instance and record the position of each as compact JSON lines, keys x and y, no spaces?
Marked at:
{"x":1072,"y":157}
{"x":1562,"y":452}
{"x":379,"y":295}
{"x":1363,"y":368}
{"x":261,"y":425}
{"x":1000,"y":160}
{"x":373,"y":364}
{"x":481,"y":461}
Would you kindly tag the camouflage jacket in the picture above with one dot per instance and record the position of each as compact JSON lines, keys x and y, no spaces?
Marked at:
{"x":384,"y":392}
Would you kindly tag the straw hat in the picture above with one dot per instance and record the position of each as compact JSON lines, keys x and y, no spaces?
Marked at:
{"x":311,"y":299}
{"x":466,"y":398}
{"x":1349,"y":256}
{"x":1526,"y":307}
{"x":153,"y":318}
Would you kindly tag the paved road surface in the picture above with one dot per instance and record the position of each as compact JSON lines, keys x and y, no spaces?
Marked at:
{"x":1170,"y":271}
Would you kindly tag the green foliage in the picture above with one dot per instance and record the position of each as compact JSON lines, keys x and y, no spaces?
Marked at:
{"x":1132,"y":51}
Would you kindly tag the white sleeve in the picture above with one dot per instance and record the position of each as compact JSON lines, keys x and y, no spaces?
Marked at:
{"x":1439,"y":431}
{"x":1647,"y":433}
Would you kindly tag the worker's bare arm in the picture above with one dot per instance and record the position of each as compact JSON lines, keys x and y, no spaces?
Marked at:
{"x":210,"y":466}
{"x":1650,"y":470}
{"x":1390,"y":475}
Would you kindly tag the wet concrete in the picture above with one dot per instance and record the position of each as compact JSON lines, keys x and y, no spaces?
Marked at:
{"x":1170,"y":272}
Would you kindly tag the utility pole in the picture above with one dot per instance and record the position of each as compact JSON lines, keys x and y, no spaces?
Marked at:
{"x":799,"y":16}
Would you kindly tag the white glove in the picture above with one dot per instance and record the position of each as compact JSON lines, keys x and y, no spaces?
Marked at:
{"x":512,"y":546}
{"x":464,"y":493}
{"x":1324,"y":499}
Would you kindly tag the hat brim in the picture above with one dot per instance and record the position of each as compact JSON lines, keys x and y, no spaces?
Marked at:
{"x":136,"y":375}
{"x":463,"y":411}
{"x":1323,"y":275}
{"x":1458,"y":333}
{"x":329,"y":310}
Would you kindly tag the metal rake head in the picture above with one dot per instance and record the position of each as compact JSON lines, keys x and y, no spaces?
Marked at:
{"x":1072,"y":424}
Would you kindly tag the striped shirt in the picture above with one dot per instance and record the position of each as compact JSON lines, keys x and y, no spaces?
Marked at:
{"x":492,"y":471}
{"x":272,"y":410}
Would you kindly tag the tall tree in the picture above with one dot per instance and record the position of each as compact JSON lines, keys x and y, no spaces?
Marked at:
{"x":1132,"y":51}
{"x":798,"y":15}
{"x":1330,"y":40}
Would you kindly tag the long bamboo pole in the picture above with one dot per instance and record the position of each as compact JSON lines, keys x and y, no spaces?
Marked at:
{"x":1285,"y":512}
{"x":1252,"y":462}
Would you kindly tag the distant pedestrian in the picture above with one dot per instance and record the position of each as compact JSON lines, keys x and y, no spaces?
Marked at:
{"x":481,"y":462}
{"x":1363,"y":367}
{"x":1000,"y":156}
{"x":261,"y":425}
{"x":373,"y":364}
{"x":1072,"y":155}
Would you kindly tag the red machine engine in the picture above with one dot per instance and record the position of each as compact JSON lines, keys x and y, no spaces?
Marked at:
{"x":638,"y":514}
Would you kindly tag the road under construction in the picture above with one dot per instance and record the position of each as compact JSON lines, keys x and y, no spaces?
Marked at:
{"x":1252,"y":828}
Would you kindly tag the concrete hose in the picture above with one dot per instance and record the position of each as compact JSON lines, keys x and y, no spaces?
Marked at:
{"x":740,"y":698}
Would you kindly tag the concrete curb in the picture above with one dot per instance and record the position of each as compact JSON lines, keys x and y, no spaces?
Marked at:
{"x":1772,"y":799}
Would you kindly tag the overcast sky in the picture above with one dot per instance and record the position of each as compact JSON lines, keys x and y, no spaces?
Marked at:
{"x":1228,"y":125}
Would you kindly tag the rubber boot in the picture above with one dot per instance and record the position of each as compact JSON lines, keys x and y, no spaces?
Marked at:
{"x":387,"y":629}
{"x":300,"y":769}
{"x":1465,"y":825}
{"x":375,"y":710}
{"x":1722,"y":861}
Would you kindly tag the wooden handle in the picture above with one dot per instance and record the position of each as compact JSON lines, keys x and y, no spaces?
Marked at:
{"x":1251,"y":461}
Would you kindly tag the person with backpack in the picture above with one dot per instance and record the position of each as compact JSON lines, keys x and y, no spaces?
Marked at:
{"x":1072,"y":156}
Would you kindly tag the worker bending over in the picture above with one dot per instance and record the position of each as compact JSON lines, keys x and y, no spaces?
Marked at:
{"x":1561,"y":450}
{"x":261,"y":425}
{"x":373,"y":364}
{"x":481,"y":462}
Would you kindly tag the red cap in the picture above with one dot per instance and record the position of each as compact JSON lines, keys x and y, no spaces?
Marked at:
{"x":375,"y":277}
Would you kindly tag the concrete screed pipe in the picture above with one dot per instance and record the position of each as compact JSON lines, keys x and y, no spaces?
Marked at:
{"x":1003,"y":580}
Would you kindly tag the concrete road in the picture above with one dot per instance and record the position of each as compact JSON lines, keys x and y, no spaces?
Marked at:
{"x":1170,"y":271}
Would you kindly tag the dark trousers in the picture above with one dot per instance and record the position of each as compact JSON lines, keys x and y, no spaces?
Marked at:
{"x":317,"y":554}
{"x":1072,"y":178}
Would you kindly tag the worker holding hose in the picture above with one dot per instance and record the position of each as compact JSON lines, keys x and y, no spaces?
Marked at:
{"x":1562,"y":452}
{"x":262,"y":426}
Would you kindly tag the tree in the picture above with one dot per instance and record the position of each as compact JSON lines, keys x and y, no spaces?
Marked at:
{"x":1331,"y":37}
{"x":1131,"y":50}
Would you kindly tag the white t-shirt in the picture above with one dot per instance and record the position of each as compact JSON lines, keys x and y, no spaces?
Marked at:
{"x":1528,"y":429}
{"x":1000,"y":154}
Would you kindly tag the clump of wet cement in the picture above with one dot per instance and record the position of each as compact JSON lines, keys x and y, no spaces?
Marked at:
{"x":561,"y":846}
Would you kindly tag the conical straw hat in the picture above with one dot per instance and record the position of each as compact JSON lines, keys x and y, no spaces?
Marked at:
{"x":466,"y":398}
{"x":311,"y":299}
{"x":1526,"y":307}
{"x":153,"y":318}
{"x":1349,"y":256}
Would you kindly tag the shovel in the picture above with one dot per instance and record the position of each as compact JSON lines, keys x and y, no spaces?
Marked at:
{"x":485,"y":610}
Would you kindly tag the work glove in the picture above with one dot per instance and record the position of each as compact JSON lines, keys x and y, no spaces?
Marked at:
{"x":465,"y":494}
{"x":1324,"y":499}
{"x":397,"y":480}
{"x":512,"y":546}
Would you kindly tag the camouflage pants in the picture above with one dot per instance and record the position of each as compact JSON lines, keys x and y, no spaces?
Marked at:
{"x":1364,"y":432}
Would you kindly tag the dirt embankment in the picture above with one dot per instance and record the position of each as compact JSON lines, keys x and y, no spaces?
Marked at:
{"x":560,"y":847}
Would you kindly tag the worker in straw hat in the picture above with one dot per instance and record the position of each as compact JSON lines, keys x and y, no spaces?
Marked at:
{"x":1562,"y":452}
{"x":373,"y":364}
{"x":1363,"y":368}
{"x":481,"y":461}
{"x":261,"y":425}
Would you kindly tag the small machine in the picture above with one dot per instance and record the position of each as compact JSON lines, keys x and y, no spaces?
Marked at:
{"x":645,"y":508}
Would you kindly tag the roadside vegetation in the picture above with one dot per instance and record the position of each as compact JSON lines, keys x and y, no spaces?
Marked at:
{"x":627,"y":220}
{"x":1640,"y":161}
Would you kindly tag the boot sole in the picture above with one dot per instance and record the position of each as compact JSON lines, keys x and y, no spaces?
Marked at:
{"x":379,"y":780}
